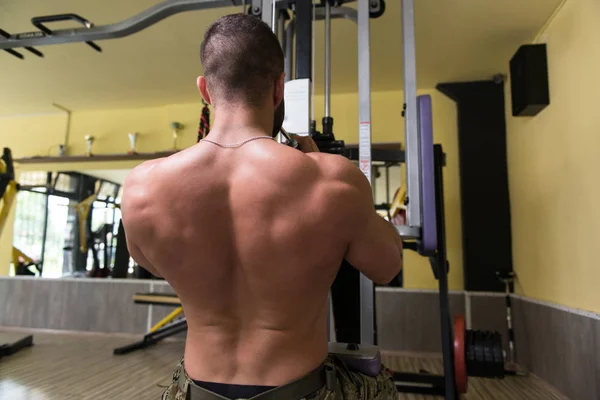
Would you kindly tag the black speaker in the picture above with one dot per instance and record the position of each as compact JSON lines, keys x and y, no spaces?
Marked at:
{"x":529,"y":80}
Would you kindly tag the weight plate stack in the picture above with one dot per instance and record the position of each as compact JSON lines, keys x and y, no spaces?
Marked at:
{"x":484,"y":354}
{"x":498,"y":356}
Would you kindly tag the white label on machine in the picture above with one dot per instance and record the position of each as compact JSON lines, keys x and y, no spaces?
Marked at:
{"x":364,"y":148}
{"x":297,"y":106}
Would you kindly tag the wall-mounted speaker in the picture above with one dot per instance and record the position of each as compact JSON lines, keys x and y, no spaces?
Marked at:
{"x":529,"y":80}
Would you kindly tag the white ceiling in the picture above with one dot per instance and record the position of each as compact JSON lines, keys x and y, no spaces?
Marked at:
{"x":456,"y":40}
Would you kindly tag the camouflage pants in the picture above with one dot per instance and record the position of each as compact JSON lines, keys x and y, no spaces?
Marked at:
{"x":350,"y":385}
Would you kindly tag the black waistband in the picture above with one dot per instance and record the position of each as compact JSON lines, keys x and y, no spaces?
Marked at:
{"x":310,"y":383}
{"x":233,"y":391}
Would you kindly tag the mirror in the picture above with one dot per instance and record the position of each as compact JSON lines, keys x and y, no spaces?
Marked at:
{"x":67,"y":224}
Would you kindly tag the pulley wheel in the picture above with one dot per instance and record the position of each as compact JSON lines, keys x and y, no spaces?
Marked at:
{"x":460,"y":364}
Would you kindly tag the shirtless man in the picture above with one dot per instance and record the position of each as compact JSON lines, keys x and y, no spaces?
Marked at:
{"x":250,"y":234}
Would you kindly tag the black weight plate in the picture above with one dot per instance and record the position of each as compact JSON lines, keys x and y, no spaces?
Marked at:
{"x":498,"y":355}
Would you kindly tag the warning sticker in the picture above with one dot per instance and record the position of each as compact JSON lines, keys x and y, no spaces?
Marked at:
{"x":364,"y":131}
{"x":364,"y":148}
{"x":365,"y":166}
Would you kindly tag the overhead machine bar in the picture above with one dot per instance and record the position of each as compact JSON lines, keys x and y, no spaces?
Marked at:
{"x":121,"y":29}
{"x":367,"y":311}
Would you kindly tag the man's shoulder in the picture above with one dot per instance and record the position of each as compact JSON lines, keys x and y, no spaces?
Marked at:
{"x":336,"y":167}
{"x":141,"y":174}
{"x":149,"y":171}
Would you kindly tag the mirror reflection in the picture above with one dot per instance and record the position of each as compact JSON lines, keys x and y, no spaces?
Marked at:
{"x":68,"y":224}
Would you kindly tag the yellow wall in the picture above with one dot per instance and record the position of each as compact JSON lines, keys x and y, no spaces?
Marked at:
{"x":40,"y":135}
{"x":553,"y":162}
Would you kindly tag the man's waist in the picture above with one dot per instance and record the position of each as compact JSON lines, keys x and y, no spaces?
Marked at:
{"x":297,"y":389}
{"x":270,"y":364}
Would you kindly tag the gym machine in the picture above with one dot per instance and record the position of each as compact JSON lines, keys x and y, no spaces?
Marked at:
{"x":22,"y":262}
{"x":8,"y":191}
{"x":424,"y":230}
{"x":465,"y":352}
{"x":170,"y":325}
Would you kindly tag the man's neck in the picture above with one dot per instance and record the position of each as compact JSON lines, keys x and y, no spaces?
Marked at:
{"x":234,"y":124}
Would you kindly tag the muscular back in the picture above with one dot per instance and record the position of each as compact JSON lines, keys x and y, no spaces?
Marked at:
{"x":250,"y":239}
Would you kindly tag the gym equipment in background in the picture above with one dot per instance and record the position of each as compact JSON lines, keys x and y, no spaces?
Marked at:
{"x":172,"y":324}
{"x":8,"y":191}
{"x":8,"y":186}
{"x":22,"y":262}
{"x":204,"y":126}
{"x":8,"y":349}
{"x":121,"y":266}
{"x":99,"y":241}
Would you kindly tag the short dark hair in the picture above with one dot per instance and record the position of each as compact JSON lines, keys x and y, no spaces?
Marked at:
{"x":241,"y":57}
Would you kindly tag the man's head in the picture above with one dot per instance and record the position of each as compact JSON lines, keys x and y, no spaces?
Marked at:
{"x":243,"y":64}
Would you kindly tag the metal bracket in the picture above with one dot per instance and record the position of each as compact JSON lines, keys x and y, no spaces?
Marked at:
{"x":15,"y":53}
{"x":408,"y":232}
{"x":338,"y":12}
{"x":376,"y":8}
{"x":255,"y":8}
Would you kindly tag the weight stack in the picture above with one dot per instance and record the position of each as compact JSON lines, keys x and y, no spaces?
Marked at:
{"x":476,"y":353}
{"x":484,"y":354}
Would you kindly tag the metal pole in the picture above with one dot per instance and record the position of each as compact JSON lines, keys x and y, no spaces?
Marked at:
{"x":289,"y":50}
{"x":367,"y":313}
{"x":45,"y":232}
{"x":411,"y":134}
{"x":374,"y":173}
{"x":327,"y":59}
{"x":442,"y":273}
{"x":387,"y":184}
{"x":268,"y":14}
{"x":274,"y":16}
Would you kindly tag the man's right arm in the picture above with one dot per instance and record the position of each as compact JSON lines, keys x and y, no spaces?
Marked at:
{"x":134,"y":210}
{"x":375,"y":246}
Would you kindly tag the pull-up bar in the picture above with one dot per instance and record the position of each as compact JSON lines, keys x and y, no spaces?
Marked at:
{"x":121,"y":29}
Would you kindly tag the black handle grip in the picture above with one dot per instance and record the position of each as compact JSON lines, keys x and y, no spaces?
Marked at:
{"x":39,"y":22}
